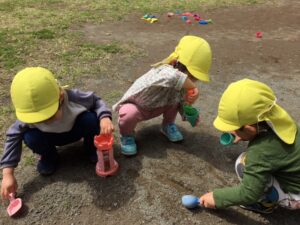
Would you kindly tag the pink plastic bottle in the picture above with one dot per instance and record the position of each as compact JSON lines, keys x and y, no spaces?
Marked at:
{"x":106,"y":165}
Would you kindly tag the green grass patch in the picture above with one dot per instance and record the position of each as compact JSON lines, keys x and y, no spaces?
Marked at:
{"x":29,"y":160}
{"x":43,"y":34}
{"x":47,"y":33}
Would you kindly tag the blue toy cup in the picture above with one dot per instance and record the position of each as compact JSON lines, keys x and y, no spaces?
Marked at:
{"x":227,"y":139}
{"x":191,"y":114}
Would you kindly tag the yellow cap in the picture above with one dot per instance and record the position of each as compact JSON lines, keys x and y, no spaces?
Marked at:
{"x":247,"y":102}
{"x":35,"y":94}
{"x":195,"y":53}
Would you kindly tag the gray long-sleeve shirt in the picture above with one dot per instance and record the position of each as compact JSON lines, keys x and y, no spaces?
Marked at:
{"x":75,"y":102}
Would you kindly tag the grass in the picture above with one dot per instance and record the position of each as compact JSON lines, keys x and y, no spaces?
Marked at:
{"x":45,"y":33}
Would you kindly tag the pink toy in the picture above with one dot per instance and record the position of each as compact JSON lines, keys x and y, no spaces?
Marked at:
{"x":187,"y":14}
{"x":188,"y":21}
{"x":14,"y":206}
{"x":106,"y":164}
{"x":259,"y":34}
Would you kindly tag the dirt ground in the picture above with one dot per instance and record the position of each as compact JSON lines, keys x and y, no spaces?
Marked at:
{"x":148,"y":187}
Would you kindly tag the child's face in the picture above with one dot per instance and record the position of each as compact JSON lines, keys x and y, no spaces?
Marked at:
{"x":246,"y":133}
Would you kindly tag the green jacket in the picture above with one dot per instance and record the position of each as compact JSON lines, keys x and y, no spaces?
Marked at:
{"x":266,"y":156}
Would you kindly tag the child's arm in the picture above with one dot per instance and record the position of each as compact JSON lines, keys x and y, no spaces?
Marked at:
{"x":192,"y":92}
{"x":9,"y":183}
{"x":106,"y":125}
{"x":11,"y":157}
{"x":208,"y":201}
{"x":94,"y":103}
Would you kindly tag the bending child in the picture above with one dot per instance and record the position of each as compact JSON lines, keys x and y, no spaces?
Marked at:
{"x":49,"y":116}
{"x":160,"y":91}
{"x":270,"y":169}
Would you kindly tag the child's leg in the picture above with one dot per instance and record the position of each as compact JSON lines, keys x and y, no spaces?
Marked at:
{"x":273,"y":193}
{"x":286,"y":200}
{"x":86,"y":126}
{"x":129,"y":116}
{"x":37,"y":141}
{"x":169,"y":114}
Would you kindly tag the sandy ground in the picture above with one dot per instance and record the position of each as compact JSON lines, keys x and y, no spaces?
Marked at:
{"x":148,"y":187}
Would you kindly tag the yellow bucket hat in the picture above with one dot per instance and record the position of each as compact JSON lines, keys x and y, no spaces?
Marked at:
{"x":193,"y":52}
{"x":247,"y":102}
{"x":35,"y":94}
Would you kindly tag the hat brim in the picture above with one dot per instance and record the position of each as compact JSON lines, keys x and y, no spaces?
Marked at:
{"x":36,"y":117}
{"x":223,"y":126}
{"x":199,"y":75}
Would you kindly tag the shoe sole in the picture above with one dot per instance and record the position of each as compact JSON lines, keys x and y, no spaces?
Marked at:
{"x":128,"y":154}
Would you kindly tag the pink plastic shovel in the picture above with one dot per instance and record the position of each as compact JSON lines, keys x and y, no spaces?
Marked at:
{"x":14,"y":205}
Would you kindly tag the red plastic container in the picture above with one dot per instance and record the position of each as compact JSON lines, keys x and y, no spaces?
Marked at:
{"x":106,"y":165}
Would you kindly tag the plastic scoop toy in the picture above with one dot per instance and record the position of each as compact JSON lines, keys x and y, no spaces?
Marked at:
{"x":14,"y":206}
{"x":190,"y":201}
{"x":227,"y":139}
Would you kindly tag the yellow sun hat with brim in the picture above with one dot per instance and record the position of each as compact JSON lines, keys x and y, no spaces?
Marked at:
{"x":248,"y":102}
{"x":35,"y":94}
{"x":195,"y":53}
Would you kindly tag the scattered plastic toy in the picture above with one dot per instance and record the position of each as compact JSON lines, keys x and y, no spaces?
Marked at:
{"x":204,"y":22}
{"x":170,"y":14}
{"x":187,"y":17}
{"x":190,"y":201}
{"x":106,"y":165}
{"x":188,"y":21}
{"x":149,"y":18}
{"x":196,"y":17}
{"x":14,"y":206}
{"x":259,"y":34}
{"x":227,"y":139}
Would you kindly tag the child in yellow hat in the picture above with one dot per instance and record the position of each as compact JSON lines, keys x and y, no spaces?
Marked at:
{"x":270,"y":169}
{"x":49,"y":116}
{"x":159,"y":91}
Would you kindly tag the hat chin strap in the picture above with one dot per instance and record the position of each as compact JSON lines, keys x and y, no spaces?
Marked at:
{"x":261,"y":116}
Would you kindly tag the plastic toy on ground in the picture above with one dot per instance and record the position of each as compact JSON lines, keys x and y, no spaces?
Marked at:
{"x":190,"y":201}
{"x":149,"y":18}
{"x":227,"y":139}
{"x":204,"y":22}
{"x":14,"y":206}
{"x":106,"y":165}
{"x":259,"y":34}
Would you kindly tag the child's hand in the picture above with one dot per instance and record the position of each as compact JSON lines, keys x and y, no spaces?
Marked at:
{"x":106,"y":126}
{"x":9,"y":183}
{"x":191,"y":95}
{"x":208,"y":201}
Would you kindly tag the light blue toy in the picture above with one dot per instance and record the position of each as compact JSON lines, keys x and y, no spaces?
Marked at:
{"x":227,"y":139}
{"x":190,"y":201}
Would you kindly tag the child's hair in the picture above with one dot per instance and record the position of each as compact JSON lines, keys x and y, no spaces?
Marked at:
{"x":178,"y":65}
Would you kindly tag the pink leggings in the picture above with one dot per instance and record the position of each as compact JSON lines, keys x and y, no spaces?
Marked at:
{"x":130,"y":115}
